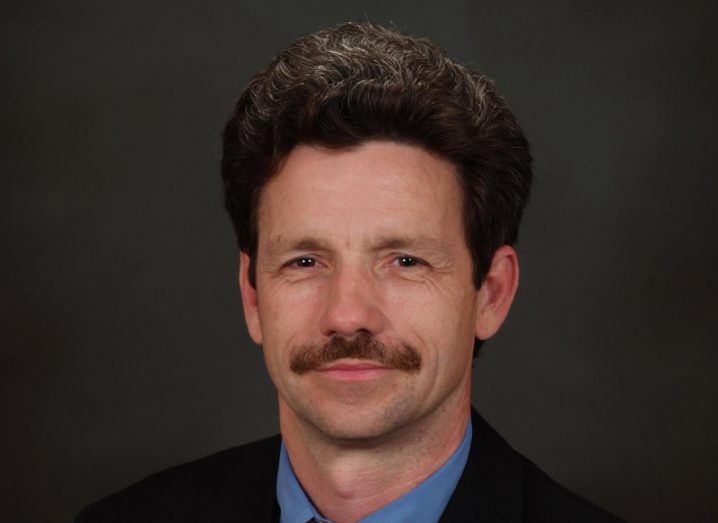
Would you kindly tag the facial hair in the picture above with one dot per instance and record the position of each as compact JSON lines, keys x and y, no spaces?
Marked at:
{"x":363,"y":346}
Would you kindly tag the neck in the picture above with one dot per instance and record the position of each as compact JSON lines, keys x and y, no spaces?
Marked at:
{"x":348,"y":480}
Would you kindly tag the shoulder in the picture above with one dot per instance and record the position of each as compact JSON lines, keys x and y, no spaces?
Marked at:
{"x":549,"y":502}
{"x":186,"y":492}
{"x":500,"y":484}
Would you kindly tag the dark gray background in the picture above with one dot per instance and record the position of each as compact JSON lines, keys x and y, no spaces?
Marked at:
{"x":123,"y":345}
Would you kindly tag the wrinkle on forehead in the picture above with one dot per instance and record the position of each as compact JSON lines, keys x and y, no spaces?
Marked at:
{"x":375,"y":194}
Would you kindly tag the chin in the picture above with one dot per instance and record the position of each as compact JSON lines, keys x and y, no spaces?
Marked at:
{"x":352,"y":430}
{"x":357,"y":423}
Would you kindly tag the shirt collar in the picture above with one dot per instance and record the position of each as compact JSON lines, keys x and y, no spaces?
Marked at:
{"x":423,"y":504}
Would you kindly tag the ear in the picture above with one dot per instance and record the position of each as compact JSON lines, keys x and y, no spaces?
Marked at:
{"x":497,"y":292}
{"x":249,"y":300}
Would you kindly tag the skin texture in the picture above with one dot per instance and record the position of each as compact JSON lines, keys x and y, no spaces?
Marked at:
{"x":369,"y":242}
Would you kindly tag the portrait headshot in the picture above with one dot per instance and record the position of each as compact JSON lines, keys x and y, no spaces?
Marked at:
{"x":340,"y":263}
{"x":376,"y":189}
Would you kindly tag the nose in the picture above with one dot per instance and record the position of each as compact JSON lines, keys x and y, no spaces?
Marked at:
{"x":352,"y":304}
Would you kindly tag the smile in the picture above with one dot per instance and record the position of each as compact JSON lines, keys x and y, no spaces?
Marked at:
{"x":353,"y":370}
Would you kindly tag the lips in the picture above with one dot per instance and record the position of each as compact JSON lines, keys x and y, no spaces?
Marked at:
{"x":353,"y":370}
{"x":353,"y":366}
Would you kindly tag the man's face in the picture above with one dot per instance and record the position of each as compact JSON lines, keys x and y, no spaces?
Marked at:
{"x":364,"y":244}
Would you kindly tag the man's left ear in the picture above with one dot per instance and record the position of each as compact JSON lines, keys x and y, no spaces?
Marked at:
{"x":497,"y":292}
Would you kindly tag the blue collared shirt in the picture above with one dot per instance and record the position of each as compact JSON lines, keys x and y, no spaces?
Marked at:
{"x":423,"y":504}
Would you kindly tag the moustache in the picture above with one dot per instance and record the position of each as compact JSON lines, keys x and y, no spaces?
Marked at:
{"x":363,"y":346}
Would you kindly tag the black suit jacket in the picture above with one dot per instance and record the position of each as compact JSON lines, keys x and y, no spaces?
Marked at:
{"x":498,"y":485}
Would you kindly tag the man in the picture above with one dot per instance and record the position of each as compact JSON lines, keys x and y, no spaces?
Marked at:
{"x":376,"y":188}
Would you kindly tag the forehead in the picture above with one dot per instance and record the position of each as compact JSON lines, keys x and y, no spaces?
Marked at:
{"x":378,"y":190}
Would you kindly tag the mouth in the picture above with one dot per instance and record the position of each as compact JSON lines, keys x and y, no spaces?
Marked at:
{"x":353,"y":370}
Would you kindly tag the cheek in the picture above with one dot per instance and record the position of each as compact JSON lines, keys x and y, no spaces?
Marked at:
{"x":440,"y":318}
{"x":286,"y":314}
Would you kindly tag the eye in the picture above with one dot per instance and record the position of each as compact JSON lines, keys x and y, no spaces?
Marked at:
{"x":408,"y":261}
{"x":302,"y":262}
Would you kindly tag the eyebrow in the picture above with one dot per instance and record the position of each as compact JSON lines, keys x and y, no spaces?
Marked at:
{"x":306,"y":243}
{"x":414,"y":242}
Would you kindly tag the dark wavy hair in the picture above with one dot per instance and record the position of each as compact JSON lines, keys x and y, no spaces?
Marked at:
{"x":360,"y":81}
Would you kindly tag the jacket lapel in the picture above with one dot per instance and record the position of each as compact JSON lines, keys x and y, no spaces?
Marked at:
{"x":249,"y":494}
{"x":491,"y":488}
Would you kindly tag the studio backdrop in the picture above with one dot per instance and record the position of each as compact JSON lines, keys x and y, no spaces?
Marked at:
{"x":123,"y":344}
